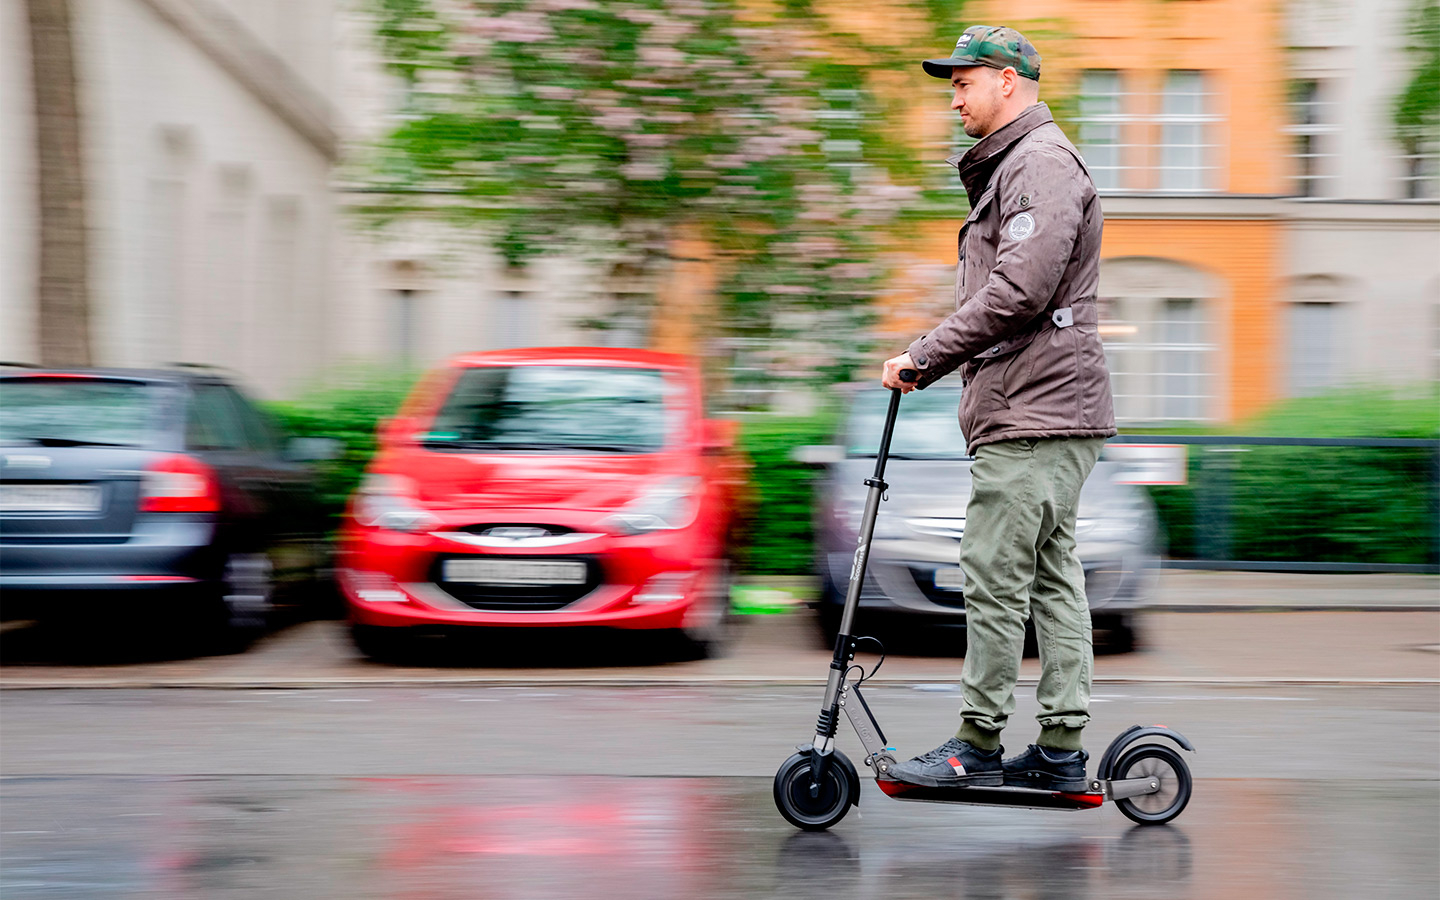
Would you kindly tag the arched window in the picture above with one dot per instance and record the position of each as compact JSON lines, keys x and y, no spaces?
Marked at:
{"x":1314,"y":328}
{"x":1157,"y":324}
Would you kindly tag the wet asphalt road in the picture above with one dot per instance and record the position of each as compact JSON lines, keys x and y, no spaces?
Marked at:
{"x":561,"y":792}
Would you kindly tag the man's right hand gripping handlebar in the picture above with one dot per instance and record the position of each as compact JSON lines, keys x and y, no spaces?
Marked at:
{"x":900,"y":374}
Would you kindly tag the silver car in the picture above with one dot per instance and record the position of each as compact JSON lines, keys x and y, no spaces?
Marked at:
{"x":914,"y":561}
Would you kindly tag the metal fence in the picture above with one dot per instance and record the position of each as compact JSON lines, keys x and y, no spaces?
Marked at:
{"x":1302,"y":504}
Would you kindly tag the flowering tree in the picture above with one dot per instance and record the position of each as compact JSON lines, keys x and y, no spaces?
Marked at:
{"x":611,"y":127}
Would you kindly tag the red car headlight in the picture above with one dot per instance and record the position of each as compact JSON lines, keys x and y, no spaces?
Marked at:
{"x":388,"y":502}
{"x":666,"y":506}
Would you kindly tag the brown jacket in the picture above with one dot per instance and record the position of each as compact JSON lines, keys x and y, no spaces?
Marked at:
{"x":1025,"y":322}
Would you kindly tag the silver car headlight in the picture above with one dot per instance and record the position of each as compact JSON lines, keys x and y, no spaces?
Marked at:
{"x":1115,"y":522}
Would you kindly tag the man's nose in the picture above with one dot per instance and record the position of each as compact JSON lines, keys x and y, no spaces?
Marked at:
{"x":958,"y":102}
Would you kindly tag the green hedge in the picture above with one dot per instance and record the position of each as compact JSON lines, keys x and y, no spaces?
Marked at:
{"x":1286,"y":503}
{"x":779,"y":535}
{"x":1314,"y":504}
{"x":347,"y":406}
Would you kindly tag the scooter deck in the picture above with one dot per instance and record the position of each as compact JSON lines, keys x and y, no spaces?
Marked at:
{"x":991,"y":796}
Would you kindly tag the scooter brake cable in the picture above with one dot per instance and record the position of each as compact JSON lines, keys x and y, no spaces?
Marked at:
{"x":878,"y":663}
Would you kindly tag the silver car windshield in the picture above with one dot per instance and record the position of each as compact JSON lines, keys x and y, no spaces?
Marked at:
{"x":926,"y":427}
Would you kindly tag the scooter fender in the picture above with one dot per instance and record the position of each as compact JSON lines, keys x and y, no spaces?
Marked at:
{"x":1131,"y":735}
{"x":839,"y":759}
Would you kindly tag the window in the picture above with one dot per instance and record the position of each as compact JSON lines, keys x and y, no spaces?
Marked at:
{"x":1421,"y":162}
{"x":404,"y":326}
{"x":1155,"y":326}
{"x":1187,"y":126}
{"x":515,"y":319}
{"x":60,"y":410}
{"x":256,"y":426}
{"x":1311,"y":125}
{"x":1314,"y":347}
{"x":557,"y":408}
{"x":1181,"y":360}
{"x":941,"y":175}
{"x":212,"y":423}
{"x":1101,"y":127}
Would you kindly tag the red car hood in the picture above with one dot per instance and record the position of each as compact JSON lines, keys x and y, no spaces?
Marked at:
{"x":600,"y":483}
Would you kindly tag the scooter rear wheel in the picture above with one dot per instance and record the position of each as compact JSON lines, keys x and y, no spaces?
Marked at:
{"x":792,"y":793}
{"x":1155,"y":761}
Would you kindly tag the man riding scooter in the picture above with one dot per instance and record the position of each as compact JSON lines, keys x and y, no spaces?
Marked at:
{"x":1036,"y":412}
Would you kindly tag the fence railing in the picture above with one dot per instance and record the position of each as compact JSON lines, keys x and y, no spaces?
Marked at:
{"x":1293,"y":504}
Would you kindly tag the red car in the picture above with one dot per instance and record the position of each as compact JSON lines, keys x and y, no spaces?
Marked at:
{"x":540,"y":488}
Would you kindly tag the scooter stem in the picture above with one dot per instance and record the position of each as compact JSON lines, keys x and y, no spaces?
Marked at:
{"x":877,"y":486}
{"x":844,"y":640}
{"x":826,"y":723}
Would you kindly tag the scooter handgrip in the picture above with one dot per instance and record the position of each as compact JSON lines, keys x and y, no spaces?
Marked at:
{"x":909,"y":375}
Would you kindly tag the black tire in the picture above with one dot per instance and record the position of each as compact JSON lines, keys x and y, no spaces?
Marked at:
{"x":247,"y":591}
{"x":1117,"y":631}
{"x":378,"y":643}
{"x":711,"y":637}
{"x":792,"y":793}
{"x":1175,"y":784}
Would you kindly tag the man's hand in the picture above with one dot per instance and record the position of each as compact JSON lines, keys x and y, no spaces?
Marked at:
{"x":890,"y":376}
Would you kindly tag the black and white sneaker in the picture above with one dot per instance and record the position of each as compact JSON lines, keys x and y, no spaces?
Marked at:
{"x":953,"y":764}
{"x":1048,"y":770}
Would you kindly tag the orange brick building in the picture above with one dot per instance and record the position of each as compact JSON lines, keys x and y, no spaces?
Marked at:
{"x":1179,"y":109}
{"x":1264,"y":235}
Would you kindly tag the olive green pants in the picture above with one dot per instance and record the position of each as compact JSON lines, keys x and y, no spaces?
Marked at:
{"x":1018,"y":556}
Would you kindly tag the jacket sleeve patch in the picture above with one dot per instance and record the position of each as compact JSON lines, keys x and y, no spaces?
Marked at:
{"x":1022,"y":226}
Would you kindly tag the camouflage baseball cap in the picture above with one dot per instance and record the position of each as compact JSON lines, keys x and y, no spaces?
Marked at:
{"x":993,"y":46}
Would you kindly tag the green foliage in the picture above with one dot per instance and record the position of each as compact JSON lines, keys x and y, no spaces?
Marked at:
{"x":346,"y":406}
{"x":780,"y":528}
{"x":1316,"y":504}
{"x":610,"y":128}
{"x":1417,"y":108}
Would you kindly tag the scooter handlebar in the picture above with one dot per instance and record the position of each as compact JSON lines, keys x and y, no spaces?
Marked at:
{"x":909,"y":375}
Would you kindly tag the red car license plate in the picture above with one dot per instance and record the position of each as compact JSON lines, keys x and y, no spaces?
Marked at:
{"x":510,"y":571}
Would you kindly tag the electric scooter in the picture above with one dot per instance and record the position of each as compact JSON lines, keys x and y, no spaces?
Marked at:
{"x":814,"y":789}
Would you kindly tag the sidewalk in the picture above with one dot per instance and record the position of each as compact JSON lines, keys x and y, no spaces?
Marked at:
{"x":1190,"y":590}
{"x":1195,"y":590}
{"x":1236,"y":648}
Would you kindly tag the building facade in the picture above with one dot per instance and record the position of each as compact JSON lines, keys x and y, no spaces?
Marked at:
{"x":1265,"y":234}
{"x":207,"y":140}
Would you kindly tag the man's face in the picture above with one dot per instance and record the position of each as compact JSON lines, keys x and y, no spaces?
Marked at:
{"x":978,"y":98}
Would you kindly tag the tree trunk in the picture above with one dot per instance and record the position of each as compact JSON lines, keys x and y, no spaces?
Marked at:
{"x":63,"y":296}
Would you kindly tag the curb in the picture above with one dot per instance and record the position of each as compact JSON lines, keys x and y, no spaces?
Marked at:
{"x":1287,"y":607}
{"x":713,"y":681}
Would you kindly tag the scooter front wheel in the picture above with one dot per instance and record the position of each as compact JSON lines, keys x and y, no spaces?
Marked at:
{"x":822,"y":810}
{"x":1169,"y":768}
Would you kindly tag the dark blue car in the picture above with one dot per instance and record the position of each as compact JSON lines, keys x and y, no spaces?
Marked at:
{"x":164,"y":494}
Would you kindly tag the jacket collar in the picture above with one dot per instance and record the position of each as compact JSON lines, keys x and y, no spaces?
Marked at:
{"x":977,"y":164}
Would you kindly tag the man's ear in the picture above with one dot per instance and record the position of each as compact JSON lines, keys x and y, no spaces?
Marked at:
{"x":1010,"y":81}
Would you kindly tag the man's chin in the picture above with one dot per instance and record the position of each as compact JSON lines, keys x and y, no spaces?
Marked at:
{"x":974,"y":130}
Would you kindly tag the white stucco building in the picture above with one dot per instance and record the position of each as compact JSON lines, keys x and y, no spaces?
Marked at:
{"x":207,"y":137}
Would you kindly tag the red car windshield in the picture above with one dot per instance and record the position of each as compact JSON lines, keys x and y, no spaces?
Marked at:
{"x":598,"y":409}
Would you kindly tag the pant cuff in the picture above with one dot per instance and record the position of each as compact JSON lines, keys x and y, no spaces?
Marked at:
{"x":978,"y":737}
{"x":1058,"y":737}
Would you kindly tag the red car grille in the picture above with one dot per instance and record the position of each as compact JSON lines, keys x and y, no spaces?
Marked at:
{"x":514,"y":597}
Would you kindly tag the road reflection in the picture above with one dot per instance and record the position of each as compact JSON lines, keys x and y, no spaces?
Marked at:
{"x":551,"y":836}
{"x":827,"y":865}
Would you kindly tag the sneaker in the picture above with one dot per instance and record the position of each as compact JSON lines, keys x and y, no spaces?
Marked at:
{"x":953,"y":764}
{"x":1048,"y":770}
